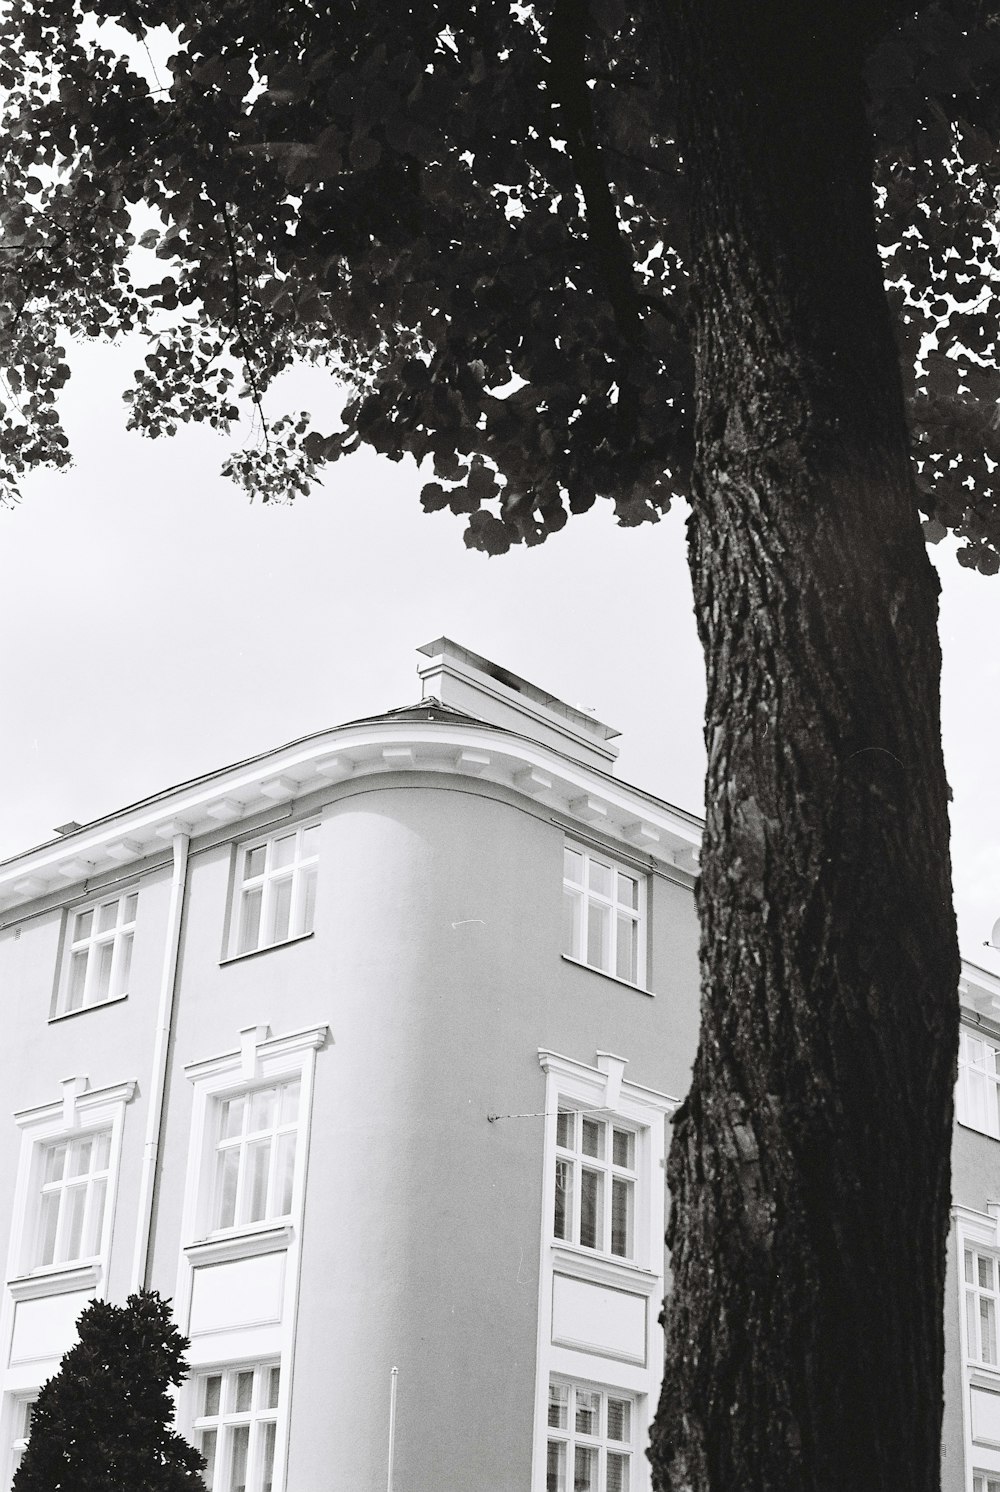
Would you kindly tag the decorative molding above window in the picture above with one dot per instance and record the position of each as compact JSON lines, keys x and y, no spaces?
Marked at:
{"x":55,"y":1280}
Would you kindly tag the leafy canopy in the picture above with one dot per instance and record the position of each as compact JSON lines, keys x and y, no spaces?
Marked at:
{"x":474,"y":216}
{"x":102,"y":1423}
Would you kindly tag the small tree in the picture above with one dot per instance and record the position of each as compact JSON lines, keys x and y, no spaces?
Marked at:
{"x":102,"y":1423}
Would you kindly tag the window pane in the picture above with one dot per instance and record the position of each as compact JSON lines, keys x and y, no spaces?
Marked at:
{"x":618,"y":1466}
{"x":250,"y":920}
{"x":985,"y":1272}
{"x":80,"y":1152}
{"x":225,"y":1187}
{"x":572,"y":934}
{"x":593,"y":1138}
{"x":588,"y":1412}
{"x":207,"y":1447}
{"x":47,"y":1228}
{"x":281,"y":909}
{"x":623,"y":1149}
{"x":585,"y":1469}
{"x":619,"y":1420}
{"x":564,"y":1128}
{"x":573,"y":866}
{"x":239,"y":1446}
{"x":599,"y":936}
{"x":621,"y":1218}
{"x":76,"y":1201}
{"x":970,"y":1323}
{"x":563,"y":1221}
{"x":308,"y":912}
{"x":284,"y":1175}
{"x":128,"y":912}
{"x":213,"y":1395}
{"x":969,"y":1266}
{"x":558,"y":1406}
{"x":102,"y":1154}
{"x":244,"y":1393}
{"x":591,"y":1206}
{"x":104,"y":954}
{"x":254,"y":865}
{"x":627,"y":949}
{"x":289,"y":1095}
{"x":628,"y":891}
{"x":232,"y":1116}
{"x":600,"y":878}
{"x":55,"y":1161}
{"x":77,"y":980}
{"x":268,"y":1432}
{"x":262,"y":1108}
{"x":555,"y":1467}
{"x":124,"y":964}
{"x":988,"y":1329}
{"x":283,"y":851}
{"x":84,"y":923}
{"x":309,"y":842}
{"x":95,"y":1222}
{"x":107,"y":916}
{"x":255,"y":1189}
{"x":273,"y":1387}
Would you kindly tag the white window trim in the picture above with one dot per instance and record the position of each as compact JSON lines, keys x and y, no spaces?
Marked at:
{"x":59,"y":1008}
{"x":268,"y":1360}
{"x":242,"y":851}
{"x":976,"y":1230}
{"x":603,"y":1088}
{"x":261,"y":1059}
{"x":641,"y":876}
{"x":962,"y":1104}
{"x":79,"y":1110}
{"x":13,"y":1420}
{"x":570,"y":1436}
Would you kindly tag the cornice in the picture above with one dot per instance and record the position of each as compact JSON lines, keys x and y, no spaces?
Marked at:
{"x":349,"y":754}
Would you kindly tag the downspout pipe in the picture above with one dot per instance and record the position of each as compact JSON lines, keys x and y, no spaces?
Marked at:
{"x":158,"y":1077}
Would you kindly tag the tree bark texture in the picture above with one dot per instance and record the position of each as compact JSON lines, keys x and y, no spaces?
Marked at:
{"x":809,"y":1169}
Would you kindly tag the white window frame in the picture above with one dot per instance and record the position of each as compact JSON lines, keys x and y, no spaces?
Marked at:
{"x":21,"y":1409}
{"x":602,"y":1090}
{"x":299,"y":873}
{"x":981,"y":1305}
{"x":574,"y":1125}
{"x":119,"y":938}
{"x":70,"y":1184}
{"x":985,"y":1481}
{"x":229,"y":1419}
{"x":260,"y":1061}
{"x":242,"y":1145}
{"x":572,"y":1437}
{"x":581,"y":902}
{"x":977,"y":1094}
{"x":82,"y":1111}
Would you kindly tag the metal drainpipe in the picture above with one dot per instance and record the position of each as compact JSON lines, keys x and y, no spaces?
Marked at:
{"x":161,"y":1046}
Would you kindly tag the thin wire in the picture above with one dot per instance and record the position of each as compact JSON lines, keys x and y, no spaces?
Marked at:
{"x":550,"y":1113}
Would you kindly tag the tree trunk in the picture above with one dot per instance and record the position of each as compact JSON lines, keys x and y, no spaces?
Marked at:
{"x":809,"y":1170}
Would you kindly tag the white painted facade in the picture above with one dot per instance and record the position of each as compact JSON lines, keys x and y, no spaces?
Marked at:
{"x":363,"y":1051}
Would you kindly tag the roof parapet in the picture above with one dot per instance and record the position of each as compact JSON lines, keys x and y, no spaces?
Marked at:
{"x":466,"y":681}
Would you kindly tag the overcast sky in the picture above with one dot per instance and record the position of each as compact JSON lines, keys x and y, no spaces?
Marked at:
{"x":156,"y":626}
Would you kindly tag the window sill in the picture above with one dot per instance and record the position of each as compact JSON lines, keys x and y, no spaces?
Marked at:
{"x":241,"y":1244}
{"x":975,"y":1130}
{"x":615,"y":979}
{"x":55,"y":1279}
{"x":66,"y":1015}
{"x":603,"y":1269}
{"x":236,"y":958}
